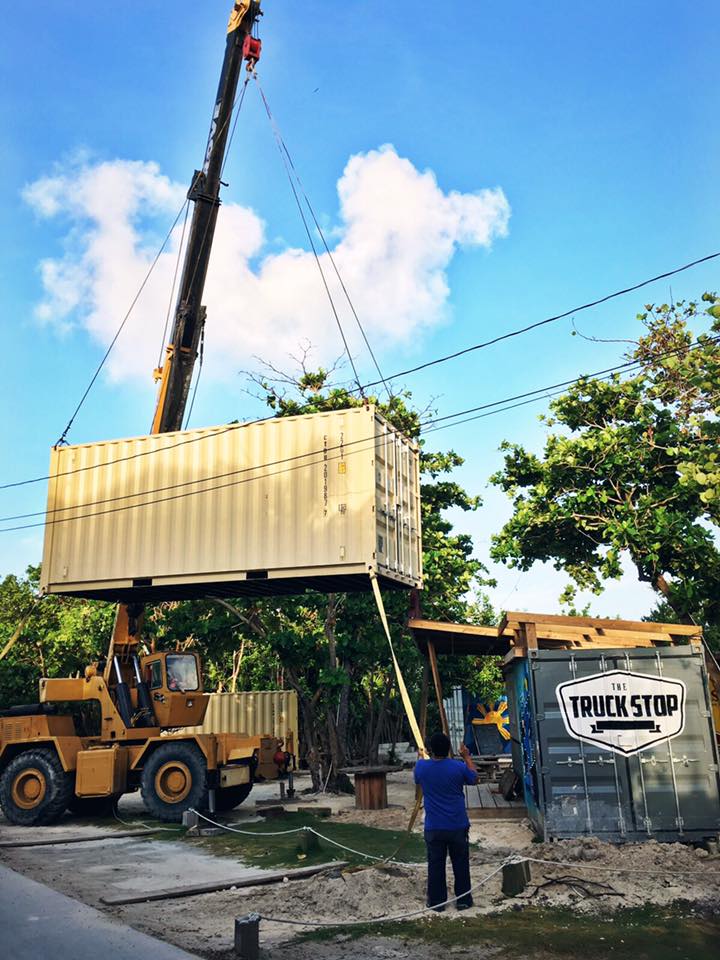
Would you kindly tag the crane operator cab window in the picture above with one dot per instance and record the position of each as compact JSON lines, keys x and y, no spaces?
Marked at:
{"x":182,"y":673}
{"x":154,"y":674}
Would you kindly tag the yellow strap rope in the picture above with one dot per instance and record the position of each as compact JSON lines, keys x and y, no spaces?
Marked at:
{"x":407,"y":702}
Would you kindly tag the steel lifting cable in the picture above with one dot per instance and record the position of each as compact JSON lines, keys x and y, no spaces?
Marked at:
{"x":284,"y":149}
{"x":171,"y":298}
{"x":62,"y":439}
{"x":288,"y":171}
{"x":63,"y":435}
{"x":197,"y":377}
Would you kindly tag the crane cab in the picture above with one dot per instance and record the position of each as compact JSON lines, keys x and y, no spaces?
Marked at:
{"x":174,"y":681}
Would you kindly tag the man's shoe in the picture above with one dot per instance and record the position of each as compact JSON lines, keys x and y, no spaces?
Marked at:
{"x":440,"y":909}
{"x":464,"y":906}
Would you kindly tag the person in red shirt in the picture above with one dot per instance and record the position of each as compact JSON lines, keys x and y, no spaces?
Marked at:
{"x":446,"y":821}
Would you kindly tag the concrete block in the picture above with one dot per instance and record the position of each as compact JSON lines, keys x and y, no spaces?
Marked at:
{"x":191,"y":820}
{"x":316,"y":811}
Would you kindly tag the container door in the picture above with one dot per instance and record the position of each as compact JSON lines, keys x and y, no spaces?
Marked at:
{"x":675,"y":783}
{"x":585,"y":788}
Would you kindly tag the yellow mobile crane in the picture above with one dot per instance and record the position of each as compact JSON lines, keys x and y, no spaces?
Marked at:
{"x":119,"y":728}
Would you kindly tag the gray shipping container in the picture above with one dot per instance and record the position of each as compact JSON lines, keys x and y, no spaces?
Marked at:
{"x":616,"y":743}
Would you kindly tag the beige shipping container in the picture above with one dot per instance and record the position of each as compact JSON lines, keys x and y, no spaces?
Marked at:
{"x":254,"y":713}
{"x":276,"y":506}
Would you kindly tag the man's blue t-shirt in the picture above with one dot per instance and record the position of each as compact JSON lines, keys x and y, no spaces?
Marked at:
{"x":443,"y":783}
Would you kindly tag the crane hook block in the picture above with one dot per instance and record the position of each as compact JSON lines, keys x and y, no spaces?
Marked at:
{"x":252,"y":48}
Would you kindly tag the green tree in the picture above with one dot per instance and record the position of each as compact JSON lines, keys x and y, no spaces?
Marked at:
{"x":630,"y":469}
{"x":60,"y":637}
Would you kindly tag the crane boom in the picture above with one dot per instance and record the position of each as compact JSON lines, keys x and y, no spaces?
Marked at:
{"x":181,"y":352}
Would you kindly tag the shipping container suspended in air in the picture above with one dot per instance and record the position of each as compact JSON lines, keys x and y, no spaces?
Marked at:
{"x":274,"y":507}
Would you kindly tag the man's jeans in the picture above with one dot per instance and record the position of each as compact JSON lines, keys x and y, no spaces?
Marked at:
{"x":439,"y":844}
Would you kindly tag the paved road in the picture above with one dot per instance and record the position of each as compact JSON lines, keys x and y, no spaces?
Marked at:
{"x":36,"y":921}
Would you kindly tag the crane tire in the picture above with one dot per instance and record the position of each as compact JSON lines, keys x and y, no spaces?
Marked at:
{"x":232,"y":797}
{"x":174,"y":779}
{"x":34,"y":788}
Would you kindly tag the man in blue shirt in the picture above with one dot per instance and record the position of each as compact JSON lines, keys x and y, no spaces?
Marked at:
{"x":446,"y":821}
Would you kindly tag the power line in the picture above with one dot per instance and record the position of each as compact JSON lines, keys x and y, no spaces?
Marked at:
{"x":371,"y":441}
{"x":288,"y":171}
{"x":429,"y":426}
{"x":319,"y":229}
{"x":430,"y":423}
{"x":598,"y":375}
{"x":542,"y":323}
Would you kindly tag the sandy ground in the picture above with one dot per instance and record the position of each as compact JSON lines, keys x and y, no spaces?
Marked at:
{"x":634,"y":874}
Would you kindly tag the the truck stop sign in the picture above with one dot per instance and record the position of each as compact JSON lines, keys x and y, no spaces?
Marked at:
{"x":622,"y":711}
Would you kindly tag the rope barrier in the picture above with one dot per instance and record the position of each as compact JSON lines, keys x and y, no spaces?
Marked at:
{"x":517,"y":858}
{"x":304,"y":829}
{"x":396,"y":918}
{"x":615,"y":868}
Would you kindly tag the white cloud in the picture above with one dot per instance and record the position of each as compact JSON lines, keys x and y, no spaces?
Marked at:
{"x":396,"y":235}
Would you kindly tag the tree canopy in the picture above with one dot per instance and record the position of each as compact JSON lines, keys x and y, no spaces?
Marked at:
{"x":630,"y":469}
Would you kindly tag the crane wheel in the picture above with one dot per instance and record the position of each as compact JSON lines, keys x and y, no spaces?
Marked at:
{"x":232,"y":797}
{"x":174,"y":780}
{"x":93,"y":806}
{"x":34,"y":788}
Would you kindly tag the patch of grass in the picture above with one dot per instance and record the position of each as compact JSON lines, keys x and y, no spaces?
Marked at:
{"x":650,"y":933}
{"x":262,"y":850}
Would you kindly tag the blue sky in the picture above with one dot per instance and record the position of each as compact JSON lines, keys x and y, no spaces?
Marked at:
{"x":593,"y":124}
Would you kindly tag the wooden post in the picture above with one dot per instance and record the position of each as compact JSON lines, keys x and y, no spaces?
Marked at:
{"x":438,"y":688}
{"x":424,"y":698}
{"x":309,"y":843}
{"x":530,"y":631}
{"x":247,"y":937}
{"x":371,"y":791}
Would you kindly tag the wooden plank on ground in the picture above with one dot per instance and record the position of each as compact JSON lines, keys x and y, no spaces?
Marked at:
{"x":249,"y":880}
{"x":56,"y":841}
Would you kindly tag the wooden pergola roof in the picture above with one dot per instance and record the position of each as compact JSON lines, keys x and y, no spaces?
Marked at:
{"x":519,"y":632}
{"x":459,"y":639}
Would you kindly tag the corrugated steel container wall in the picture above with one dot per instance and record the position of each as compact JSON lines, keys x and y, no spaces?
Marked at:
{"x":268,"y":507}
{"x":253,"y":712}
{"x":668,"y":790}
